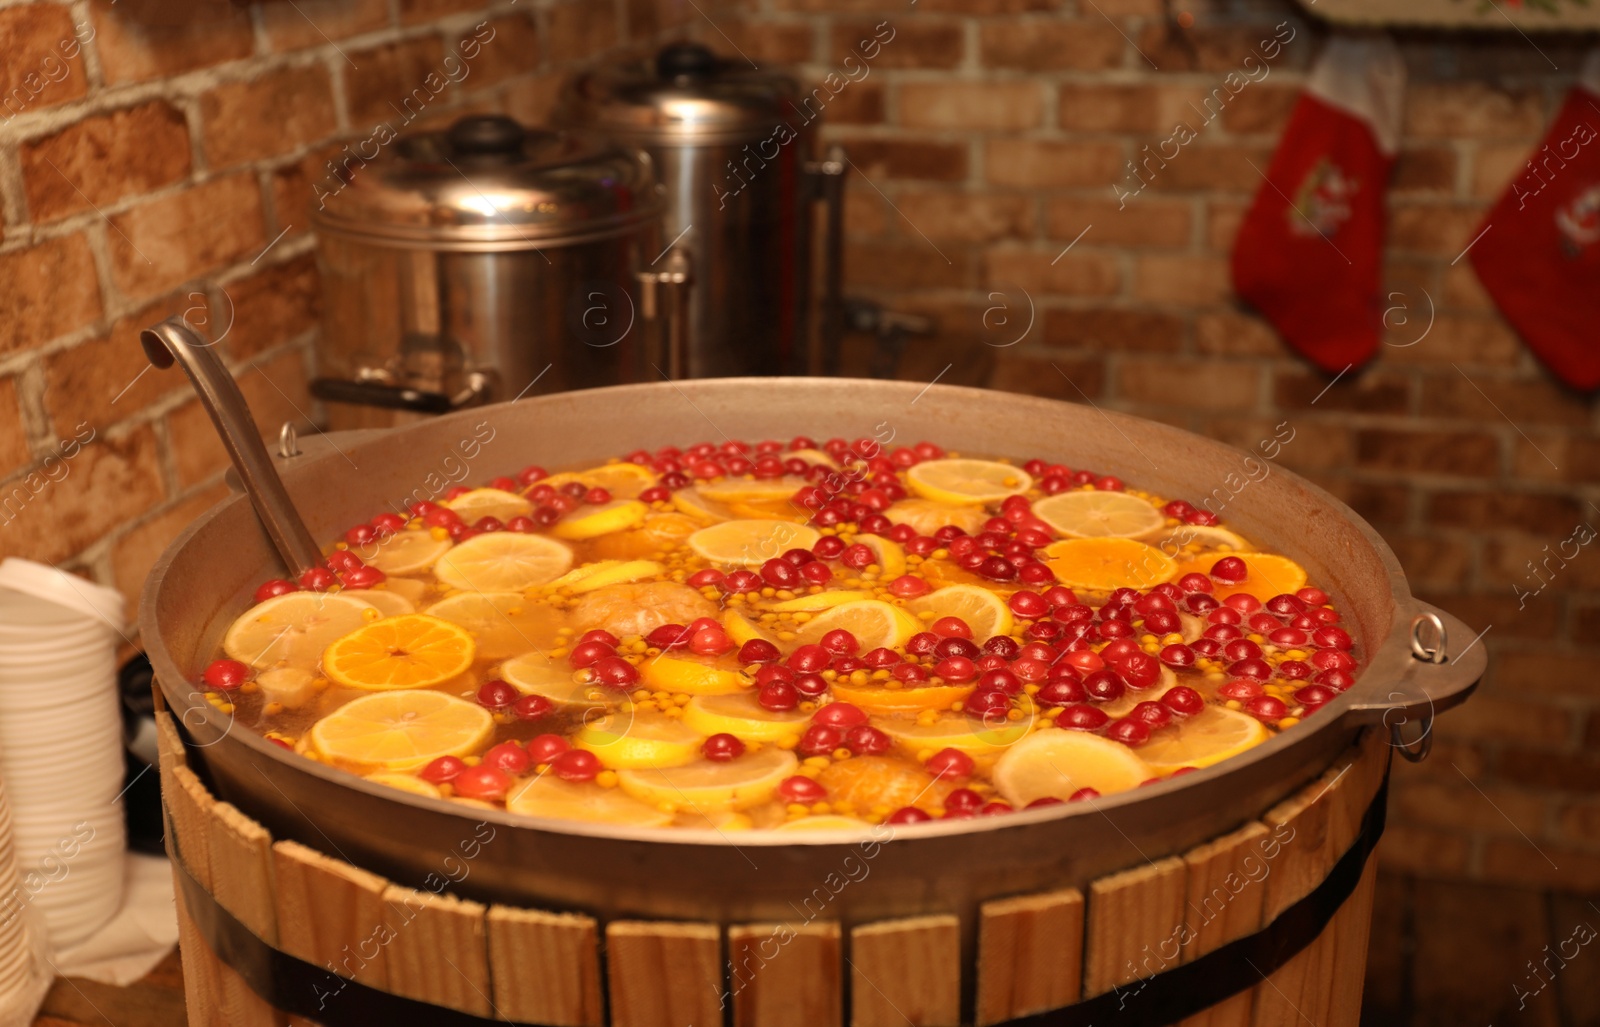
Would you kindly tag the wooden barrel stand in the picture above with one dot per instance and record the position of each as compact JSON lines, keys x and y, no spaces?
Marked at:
{"x":375,"y":941}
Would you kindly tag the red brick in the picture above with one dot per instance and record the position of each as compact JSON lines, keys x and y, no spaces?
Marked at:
{"x":1542,"y":768}
{"x":314,"y":22}
{"x":1045,"y":164}
{"x":1463,"y":291}
{"x":925,"y":159}
{"x":1054,"y":379}
{"x":1466,"y":340}
{"x":1513,"y":721}
{"x":136,"y":552}
{"x":386,"y":77}
{"x":649,"y":18}
{"x":914,"y":43}
{"x":1222,"y":224}
{"x":1050,"y":45}
{"x":532,"y":99}
{"x":1223,"y":48}
{"x":1230,"y":169}
{"x":1417,"y":850}
{"x":1460,"y":970}
{"x":912,"y":264}
{"x":1260,"y":110}
{"x":169,"y":240}
{"x":1075,"y":274}
{"x":1494,"y":810}
{"x":273,"y":306}
{"x":1506,"y":559}
{"x":44,"y":58}
{"x":275,"y":392}
{"x":278,"y":112}
{"x":1105,"y":329}
{"x":1429,"y":452}
{"x":1499,"y":509}
{"x":1580,"y":822}
{"x":769,"y":42}
{"x":1536,"y":400}
{"x":1463,"y":108}
{"x":505,"y":48}
{"x":158,"y":40}
{"x":1509,"y":618}
{"x":1550,"y":866}
{"x":1434,"y":229}
{"x":51,"y":289}
{"x":1149,"y":222}
{"x":966,"y":217}
{"x":14,"y":451}
{"x":1369,"y":392}
{"x":1379,"y":502}
{"x":977,"y":106}
{"x":1543,"y":671}
{"x":1125,"y":108}
{"x":580,"y":29}
{"x":1191,"y":281}
{"x":416,"y":12}
{"x":962,"y":7}
{"x":104,"y":158}
{"x":65,"y":506}
{"x":1432,"y":561}
{"x":866,"y":214}
{"x":1424,"y":169}
{"x":1228,"y":334}
{"x":1206,"y":385}
{"x":107,"y":379}
{"x":861,"y":103}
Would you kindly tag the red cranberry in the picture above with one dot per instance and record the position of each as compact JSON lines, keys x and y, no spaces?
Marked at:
{"x":669,"y":636}
{"x":495,"y":694}
{"x":809,"y":659}
{"x":820,"y":740}
{"x":1230,"y":569}
{"x":445,"y":768}
{"x":816,"y":574}
{"x":1312,"y":596}
{"x":576,"y":765}
{"x":1139,"y":669}
{"x":951,"y":764}
{"x":779,"y":697}
{"x":956,"y":647}
{"x":707,"y":576}
{"x":1332,"y":659}
{"x":1031,"y":671}
{"x":1332,"y":638}
{"x":1003,"y":646}
{"x":615,"y":673}
{"x":1177,"y":655}
{"x":1241,"y":649}
{"x":922,"y":643}
{"x":532,"y":707}
{"x":1195,"y":583}
{"x":1287,"y":638}
{"x":1224,"y":615}
{"x":742,"y":580}
{"x":711,"y":641}
{"x":1244,"y":602}
{"x":989,"y":707}
{"x":1183,"y":700}
{"x":1336,"y":679}
{"x":587,"y":654}
{"x":758,"y":650}
{"x":1315,"y":695}
{"x":995,"y":807}
{"x":482,"y":782}
{"x":810,"y":685}
{"x":1103,"y":686}
{"x":1162,"y":623}
{"x":1242,"y":689}
{"x":1081,"y":717}
{"x":1206,"y":647}
{"x":1151,"y":713}
{"x":963,"y":800}
{"x":509,"y":757}
{"x":1130,"y":732}
{"x":318,"y":579}
{"x":545,"y":748}
{"x":910,"y":673}
{"x":951,"y":627}
{"x":957,"y":669}
{"x":1295,"y":670}
{"x":721,"y":748}
{"x":866,"y":740}
{"x":1256,"y":668}
{"x":880,"y":657}
{"x":1061,"y":692}
{"x":779,"y":574}
{"x":1285,"y":605}
{"x":801,"y":789}
{"x":908,"y":815}
{"x":840,"y":642}
{"x":225,"y":675}
{"x":909,"y":586}
{"x":274,"y":588}
{"x":341,"y":560}
{"x":1200,"y":603}
{"x":1266,"y":707}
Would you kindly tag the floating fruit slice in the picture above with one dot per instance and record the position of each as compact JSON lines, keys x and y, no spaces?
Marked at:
{"x":812,"y":456}
{"x":660,"y":532}
{"x":967,"y":481}
{"x":594,"y":521}
{"x":1104,"y":564}
{"x":707,"y":787}
{"x":743,"y":716}
{"x":289,"y":687}
{"x":751,"y":490}
{"x":812,"y":602}
{"x":622,"y":480}
{"x":891,"y":557}
{"x":1055,"y":764}
{"x":867,"y":781}
{"x":1268,"y":574}
{"x":402,"y":730}
{"x":410,"y":651}
{"x":877,"y":697}
{"x":874,"y":622}
{"x":751,"y":543}
{"x":607,"y":572}
{"x":385,"y":601}
{"x":983,"y":611}
{"x":503,"y":561}
{"x":411,"y":551}
{"x":295,"y":628}
{"x":829,"y":822}
{"x":771,"y":510}
{"x":742,"y":629}
{"x":1099,"y":515}
{"x":1198,"y":536}
{"x":502,"y":623}
{"x":548,"y":796}
{"x":410,"y":589}
{"x":1208,"y":737}
{"x":627,"y":740}
{"x":689,"y":501}
{"x":406,"y":783}
{"x":691,"y":675}
{"x":538,"y":674}
{"x":951,"y":731}
{"x":638,"y":609}
{"x":927,"y":516}
{"x":496,"y":503}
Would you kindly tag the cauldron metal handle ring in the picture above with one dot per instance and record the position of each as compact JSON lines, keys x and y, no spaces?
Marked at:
{"x":1431,"y":680}
{"x":174,"y":341}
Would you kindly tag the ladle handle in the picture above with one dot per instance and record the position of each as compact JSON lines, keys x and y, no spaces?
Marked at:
{"x":173,"y":340}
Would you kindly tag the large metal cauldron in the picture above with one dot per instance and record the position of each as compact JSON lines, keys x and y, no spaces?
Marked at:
{"x":205,"y":578}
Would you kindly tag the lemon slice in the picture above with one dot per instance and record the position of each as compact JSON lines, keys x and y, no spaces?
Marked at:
{"x":707,"y":787}
{"x":290,"y":687}
{"x":592,"y":522}
{"x":874,"y":622}
{"x":607,"y":572}
{"x":776,"y":510}
{"x":628,"y":740}
{"x":744,"y":716}
{"x":410,"y":589}
{"x":503,"y":561}
{"x":1197,"y":536}
{"x":818,"y":601}
{"x":1210,"y":736}
{"x":295,"y":628}
{"x":548,"y":796}
{"x":691,"y":675}
{"x":406,"y":783}
{"x":751,"y":490}
{"x":751,"y":543}
{"x":538,"y":674}
{"x":402,"y":730}
{"x":411,"y":551}
{"x":967,"y":481}
{"x":502,"y":623}
{"x":983,"y":611}
{"x":1055,"y":764}
{"x":951,"y":731}
{"x":496,"y":503}
{"x":622,"y":480}
{"x":385,"y":601}
{"x":1132,"y":697}
{"x":829,"y":822}
{"x":1104,"y":564}
{"x":1268,"y":574}
{"x":690,"y":502}
{"x":742,"y":629}
{"x":1097,"y":514}
{"x":410,"y":651}
{"x":812,"y":456}
{"x":927,"y":516}
{"x":891,"y":557}
{"x":879,"y":698}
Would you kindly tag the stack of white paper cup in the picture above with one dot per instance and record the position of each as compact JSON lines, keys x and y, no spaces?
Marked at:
{"x":24,"y":970}
{"x":61,"y":745}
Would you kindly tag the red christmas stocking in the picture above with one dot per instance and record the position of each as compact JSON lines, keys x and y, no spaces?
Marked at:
{"x":1308,"y":252}
{"x":1538,"y":251}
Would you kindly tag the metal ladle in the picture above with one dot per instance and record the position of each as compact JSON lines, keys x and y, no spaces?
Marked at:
{"x":173,"y":340}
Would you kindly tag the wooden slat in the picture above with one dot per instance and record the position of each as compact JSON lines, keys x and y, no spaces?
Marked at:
{"x":190,"y":805}
{"x":1030,"y":954}
{"x":786,"y":976}
{"x":664,"y":974}
{"x":1225,"y":893}
{"x":1351,"y":929}
{"x":906,"y":970}
{"x":545,"y":967}
{"x":169,"y":744}
{"x":202,"y":986}
{"x":241,"y":870}
{"x":438,"y":951}
{"x":1135,"y":924}
{"x":331,"y":914}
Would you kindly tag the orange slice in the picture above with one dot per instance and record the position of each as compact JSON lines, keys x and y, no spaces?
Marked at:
{"x":691,"y":675}
{"x":1054,"y":764}
{"x":867,"y":781}
{"x":879,"y":698}
{"x":402,"y":730}
{"x":1104,"y":564}
{"x":1096,"y":514}
{"x":1269,"y":574}
{"x":410,"y":651}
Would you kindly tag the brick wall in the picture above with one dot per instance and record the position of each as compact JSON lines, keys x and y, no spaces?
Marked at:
{"x":157,"y":158}
{"x":992,"y":132}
